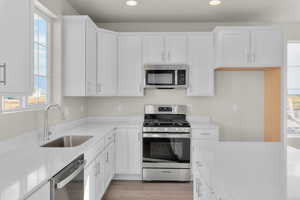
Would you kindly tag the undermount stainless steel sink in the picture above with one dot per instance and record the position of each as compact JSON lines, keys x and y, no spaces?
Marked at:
{"x":67,"y":141}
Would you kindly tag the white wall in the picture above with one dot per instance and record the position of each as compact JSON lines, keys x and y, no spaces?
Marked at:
{"x":16,"y":123}
{"x":237,"y":106}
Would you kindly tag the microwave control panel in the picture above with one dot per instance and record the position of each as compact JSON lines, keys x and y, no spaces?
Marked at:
{"x":181,"y":77}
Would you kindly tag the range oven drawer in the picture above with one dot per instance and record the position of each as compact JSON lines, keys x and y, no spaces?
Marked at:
{"x":180,"y":175}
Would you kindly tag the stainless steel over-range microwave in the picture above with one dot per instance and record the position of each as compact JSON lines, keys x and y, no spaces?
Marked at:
{"x":166,"y":76}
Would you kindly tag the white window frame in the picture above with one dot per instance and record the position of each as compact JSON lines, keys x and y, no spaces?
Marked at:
{"x":49,"y":68}
{"x":24,"y":99}
{"x":292,"y":42}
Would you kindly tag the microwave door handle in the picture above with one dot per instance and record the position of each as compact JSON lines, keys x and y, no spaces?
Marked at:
{"x":176,"y":77}
{"x":68,"y":179}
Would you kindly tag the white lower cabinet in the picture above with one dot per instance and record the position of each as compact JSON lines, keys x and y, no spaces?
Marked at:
{"x":99,"y":173}
{"x":204,"y":145}
{"x":42,"y":193}
{"x":109,"y":164}
{"x":128,"y":153}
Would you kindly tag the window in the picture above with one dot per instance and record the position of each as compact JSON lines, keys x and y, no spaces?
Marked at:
{"x":293,"y":60}
{"x":40,"y":96}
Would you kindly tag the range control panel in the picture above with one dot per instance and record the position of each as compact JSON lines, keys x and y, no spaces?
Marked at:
{"x":165,"y":109}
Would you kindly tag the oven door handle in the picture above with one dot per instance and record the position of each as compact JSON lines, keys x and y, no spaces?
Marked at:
{"x":68,"y":179}
{"x":167,"y":135}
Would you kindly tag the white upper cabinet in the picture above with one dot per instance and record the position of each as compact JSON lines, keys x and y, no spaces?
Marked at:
{"x":91,"y":58}
{"x":130,"y":66}
{"x":233,"y":48}
{"x":153,"y":49}
{"x":249,"y":47}
{"x":80,"y":56}
{"x":16,"y":44}
{"x":201,"y":64}
{"x":107,"y":83}
{"x":267,"y":48}
{"x":176,"y":48}
{"x":164,"y":48}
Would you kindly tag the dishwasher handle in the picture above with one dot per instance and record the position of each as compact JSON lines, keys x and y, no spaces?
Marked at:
{"x":69,"y":178}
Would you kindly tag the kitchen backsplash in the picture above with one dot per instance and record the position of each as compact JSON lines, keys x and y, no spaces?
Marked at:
{"x":238,"y":106}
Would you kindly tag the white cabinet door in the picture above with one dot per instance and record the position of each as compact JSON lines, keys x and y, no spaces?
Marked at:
{"x":109,"y":164}
{"x":16,"y":44}
{"x":204,"y":153}
{"x":111,"y":160}
{"x":107,"y":64}
{"x":80,"y":56}
{"x":42,"y":193}
{"x":201,"y":191}
{"x":128,"y":152}
{"x":91,"y":58}
{"x":233,"y":48}
{"x":134,"y":151}
{"x":100,"y":176}
{"x":153,"y":49}
{"x":130,"y":66}
{"x":176,"y":48}
{"x":267,"y":48}
{"x":122,"y":151}
{"x":201,"y":63}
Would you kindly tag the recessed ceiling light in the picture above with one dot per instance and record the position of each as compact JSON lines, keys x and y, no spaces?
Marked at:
{"x":131,"y":3}
{"x":215,"y":2}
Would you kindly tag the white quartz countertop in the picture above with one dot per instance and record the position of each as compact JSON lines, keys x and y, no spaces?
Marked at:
{"x":27,"y":166}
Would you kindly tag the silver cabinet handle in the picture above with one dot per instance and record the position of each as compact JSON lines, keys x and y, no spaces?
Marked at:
{"x":99,"y":88}
{"x":99,"y":170}
{"x":3,"y":82}
{"x":166,"y":172}
{"x":253,"y":58}
{"x":169,"y":55}
{"x":199,"y":164}
{"x":141,"y":88}
{"x":163,"y":56}
{"x":67,"y":180}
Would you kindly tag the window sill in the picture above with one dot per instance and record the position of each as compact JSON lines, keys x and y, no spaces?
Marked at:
{"x":30,"y":109}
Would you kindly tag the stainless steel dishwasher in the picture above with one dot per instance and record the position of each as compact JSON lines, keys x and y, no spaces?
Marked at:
{"x":68,"y":184}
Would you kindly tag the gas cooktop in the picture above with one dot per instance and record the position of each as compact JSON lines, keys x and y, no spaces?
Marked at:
{"x":166,"y":123}
{"x":166,"y":118}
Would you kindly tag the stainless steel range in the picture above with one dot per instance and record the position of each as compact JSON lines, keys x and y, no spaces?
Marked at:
{"x":166,"y":143}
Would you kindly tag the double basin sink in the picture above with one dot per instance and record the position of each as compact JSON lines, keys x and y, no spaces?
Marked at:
{"x":67,"y":141}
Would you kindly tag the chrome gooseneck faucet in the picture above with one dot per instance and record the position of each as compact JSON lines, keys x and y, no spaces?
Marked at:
{"x":47,"y":133}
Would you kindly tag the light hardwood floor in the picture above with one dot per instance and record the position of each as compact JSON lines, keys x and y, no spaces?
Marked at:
{"x":136,"y":190}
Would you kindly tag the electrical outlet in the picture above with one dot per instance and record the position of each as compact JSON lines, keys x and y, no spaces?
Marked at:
{"x":235,"y":108}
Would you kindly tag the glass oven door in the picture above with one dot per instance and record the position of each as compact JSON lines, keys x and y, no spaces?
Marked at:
{"x":166,"y":150}
{"x":160,"y":77}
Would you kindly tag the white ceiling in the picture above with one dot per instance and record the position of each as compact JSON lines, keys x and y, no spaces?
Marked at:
{"x":190,"y":11}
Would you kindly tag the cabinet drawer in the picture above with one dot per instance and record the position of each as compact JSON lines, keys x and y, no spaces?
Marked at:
{"x":92,"y":153}
{"x":205,"y":134}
